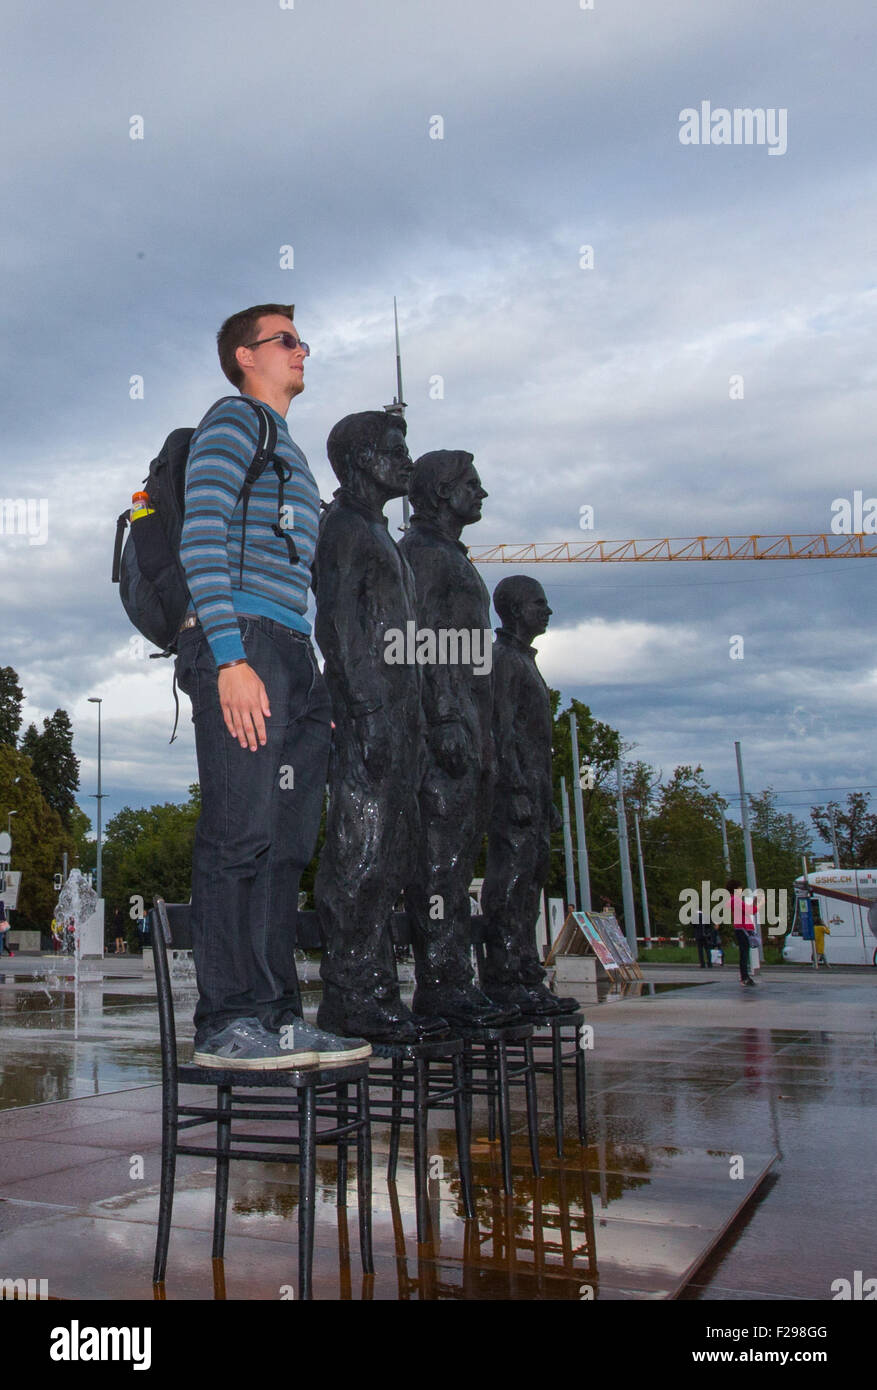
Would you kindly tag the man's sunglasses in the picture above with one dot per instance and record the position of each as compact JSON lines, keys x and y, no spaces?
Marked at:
{"x":289,"y":340}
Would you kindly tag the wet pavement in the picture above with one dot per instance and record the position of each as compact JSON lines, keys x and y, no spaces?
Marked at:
{"x":730,"y":1156}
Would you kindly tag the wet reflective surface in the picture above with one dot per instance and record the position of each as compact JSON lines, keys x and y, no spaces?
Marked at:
{"x":691,"y":1092}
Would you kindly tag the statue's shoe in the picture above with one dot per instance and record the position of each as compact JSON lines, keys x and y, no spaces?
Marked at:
{"x":545,"y":1004}
{"x":462,"y":1007}
{"x":534,"y":1001}
{"x":377,"y":1021}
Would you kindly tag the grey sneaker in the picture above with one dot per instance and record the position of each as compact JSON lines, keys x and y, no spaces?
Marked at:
{"x":246,"y":1045}
{"x":329,"y":1047}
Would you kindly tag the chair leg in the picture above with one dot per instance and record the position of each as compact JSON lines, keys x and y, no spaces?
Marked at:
{"x":168,"y":1173}
{"x":505,"y":1134}
{"x":468,"y":1080}
{"x":341,"y":1094}
{"x":421,"y":1196}
{"x":223,"y":1144}
{"x":464,"y":1153}
{"x":364,"y":1177}
{"x":307,"y":1186}
{"x":491,"y":1094}
{"x":581,"y":1091}
{"x":395,"y":1119}
{"x":532,"y":1111}
{"x":557,"y":1078}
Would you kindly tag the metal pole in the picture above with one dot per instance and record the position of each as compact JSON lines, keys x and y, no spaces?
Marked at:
{"x":96,"y":700}
{"x":100,"y":845}
{"x":751,"y":881}
{"x":567,"y":848}
{"x":647,"y":931}
{"x":726,"y":853}
{"x":64,"y":869}
{"x":624,"y":853}
{"x":834,"y":838}
{"x":581,"y":842}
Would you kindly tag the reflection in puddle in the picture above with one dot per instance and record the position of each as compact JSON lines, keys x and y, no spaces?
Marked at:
{"x":61,"y":1039}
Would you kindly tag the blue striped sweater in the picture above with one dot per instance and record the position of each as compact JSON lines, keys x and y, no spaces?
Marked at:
{"x":210,"y":547}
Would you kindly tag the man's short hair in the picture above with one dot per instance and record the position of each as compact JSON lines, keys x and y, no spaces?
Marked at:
{"x":240,"y":329}
{"x":517,"y":588}
{"x":363,"y":431}
{"x":441,"y":467}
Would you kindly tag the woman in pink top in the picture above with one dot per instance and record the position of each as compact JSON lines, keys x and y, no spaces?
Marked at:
{"x":743,"y":923}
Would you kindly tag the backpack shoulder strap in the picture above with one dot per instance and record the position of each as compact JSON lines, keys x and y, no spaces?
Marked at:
{"x":265,"y":447}
{"x":266,"y":444}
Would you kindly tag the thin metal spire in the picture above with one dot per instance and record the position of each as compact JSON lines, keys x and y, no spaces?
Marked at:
{"x":398,"y":407}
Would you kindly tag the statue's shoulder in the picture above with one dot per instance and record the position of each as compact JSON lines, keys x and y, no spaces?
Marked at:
{"x":339,"y":522}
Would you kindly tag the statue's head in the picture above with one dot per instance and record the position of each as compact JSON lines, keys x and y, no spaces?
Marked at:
{"x":522,"y":606}
{"x":446,"y":481}
{"x":371,"y":443}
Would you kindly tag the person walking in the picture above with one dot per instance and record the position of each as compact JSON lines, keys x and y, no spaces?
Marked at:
{"x":703,"y":938}
{"x":743,"y":924}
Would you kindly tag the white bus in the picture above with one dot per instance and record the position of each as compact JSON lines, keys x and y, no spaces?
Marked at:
{"x":848,"y":909}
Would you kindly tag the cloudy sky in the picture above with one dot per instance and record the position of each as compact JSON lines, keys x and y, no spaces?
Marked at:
{"x":609,"y":386}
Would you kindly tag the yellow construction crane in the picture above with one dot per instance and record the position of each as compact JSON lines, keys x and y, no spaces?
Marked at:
{"x":789,"y":547}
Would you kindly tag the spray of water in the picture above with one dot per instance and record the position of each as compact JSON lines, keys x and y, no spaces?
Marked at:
{"x":77,"y":900}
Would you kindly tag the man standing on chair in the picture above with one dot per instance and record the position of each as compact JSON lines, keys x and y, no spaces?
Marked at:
{"x":259,"y":705}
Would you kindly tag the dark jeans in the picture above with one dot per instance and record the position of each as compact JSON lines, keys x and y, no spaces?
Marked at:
{"x":258,"y":828}
{"x":704,"y":952}
{"x":742,"y":939}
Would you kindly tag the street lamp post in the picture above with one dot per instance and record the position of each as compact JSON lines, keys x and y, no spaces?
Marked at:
{"x":96,"y":700}
{"x":9,"y":816}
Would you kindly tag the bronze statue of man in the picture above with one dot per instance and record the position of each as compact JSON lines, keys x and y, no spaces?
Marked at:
{"x":455,"y":651}
{"x":364,"y":591}
{"x":523,"y":813}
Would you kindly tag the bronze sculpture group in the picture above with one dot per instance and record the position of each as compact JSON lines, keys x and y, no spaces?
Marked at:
{"x":439,"y":738}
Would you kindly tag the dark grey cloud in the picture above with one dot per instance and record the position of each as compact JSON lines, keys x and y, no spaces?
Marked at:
{"x":606,"y":387}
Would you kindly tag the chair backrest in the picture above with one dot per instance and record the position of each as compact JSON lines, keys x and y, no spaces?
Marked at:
{"x":169,"y":930}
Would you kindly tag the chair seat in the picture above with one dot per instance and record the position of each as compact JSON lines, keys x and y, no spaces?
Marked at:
{"x":190,"y":1074}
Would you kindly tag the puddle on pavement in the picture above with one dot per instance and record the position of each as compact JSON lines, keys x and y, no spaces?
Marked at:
{"x":607,"y":993}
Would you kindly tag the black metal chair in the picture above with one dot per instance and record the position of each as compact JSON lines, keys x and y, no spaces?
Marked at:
{"x":308,"y":1094}
{"x":551,"y":1035}
{"x":422,"y":1077}
{"x":490,"y":1071}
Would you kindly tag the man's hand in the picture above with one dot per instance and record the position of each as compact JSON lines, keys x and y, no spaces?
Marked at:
{"x":374,"y":741}
{"x":451,"y":747}
{"x":244,"y":702}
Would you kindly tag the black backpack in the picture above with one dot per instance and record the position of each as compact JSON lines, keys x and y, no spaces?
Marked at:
{"x":147,"y":567}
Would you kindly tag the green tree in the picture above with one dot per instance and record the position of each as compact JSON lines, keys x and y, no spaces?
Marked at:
{"x":39,"y":839}
{"x":147,"y":853}
{"x":600,"y":747}
{"x":11,"y":700}
{"x":856,"y":829}
{"x":86,"y":848}
{"x":55,"y":766}
{"x":778,"y":842}
{"x":682,"y":845}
